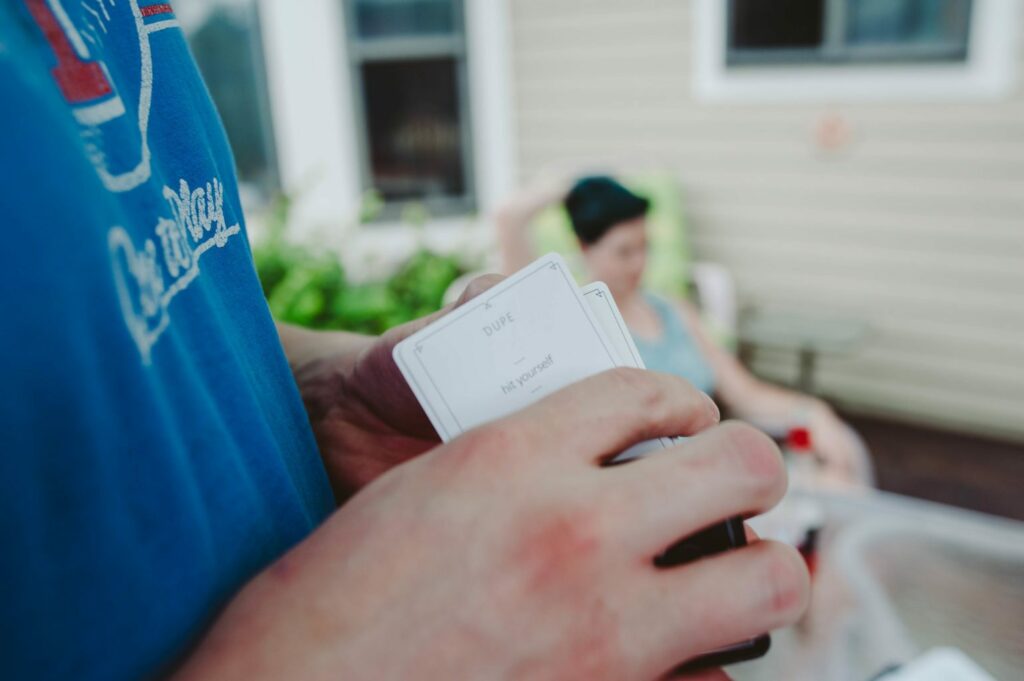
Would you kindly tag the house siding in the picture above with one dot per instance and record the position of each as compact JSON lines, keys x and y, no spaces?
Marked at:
{"x":915,"y":226}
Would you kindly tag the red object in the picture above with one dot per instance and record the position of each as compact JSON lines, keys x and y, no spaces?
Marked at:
{"x":79,"y":80}
{"x":151,"y":10}
{"x":799,"y":439}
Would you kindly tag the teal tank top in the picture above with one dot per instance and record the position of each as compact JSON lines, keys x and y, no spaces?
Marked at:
{"x":676,"y":352}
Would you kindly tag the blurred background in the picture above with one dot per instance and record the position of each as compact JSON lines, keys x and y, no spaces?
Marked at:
{"x":842,"y":179}
{"x":856,"y":167}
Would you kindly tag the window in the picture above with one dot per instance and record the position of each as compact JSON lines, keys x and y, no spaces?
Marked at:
{"x":408,"y":65}
{"x":226,"y":41}
{"x":846,"y":31}
{"x":855,"y":50}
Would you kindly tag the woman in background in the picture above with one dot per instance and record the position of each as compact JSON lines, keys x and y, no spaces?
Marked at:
{"x":610,"y":224}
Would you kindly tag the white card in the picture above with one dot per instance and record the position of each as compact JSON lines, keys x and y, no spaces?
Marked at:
{"x":614,"y":326}
{"x":610,"y":320}
{"x":526,"y":338}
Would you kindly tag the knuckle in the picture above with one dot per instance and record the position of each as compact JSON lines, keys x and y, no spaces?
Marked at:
{"x":616,"y":512}
{"x":786,"y":581}
{"x":649,"y":397}
{"x":478,"y":285}
{"x":490,"y":442}
{"x":757,"y":457}
{"x":627,"y":378}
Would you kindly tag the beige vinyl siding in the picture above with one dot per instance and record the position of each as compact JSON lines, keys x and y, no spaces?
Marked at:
{"x":917,"y":226}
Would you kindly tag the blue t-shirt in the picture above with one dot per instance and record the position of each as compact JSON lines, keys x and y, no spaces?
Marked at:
{"x":154,"y":451}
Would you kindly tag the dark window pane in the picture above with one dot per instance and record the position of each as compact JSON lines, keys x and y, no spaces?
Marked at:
{"x":916,"y":22}
{"x":404,"y":18}
{"x":776,"y":23}
{"x":225,"y":40}
{"x":412,"y":115}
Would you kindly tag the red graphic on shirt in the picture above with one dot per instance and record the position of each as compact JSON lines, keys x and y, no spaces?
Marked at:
{"x":150,"y":10}
{"x":80,"y":81}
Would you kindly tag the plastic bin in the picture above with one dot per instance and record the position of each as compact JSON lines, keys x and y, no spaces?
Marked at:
{"x":897,"y":577}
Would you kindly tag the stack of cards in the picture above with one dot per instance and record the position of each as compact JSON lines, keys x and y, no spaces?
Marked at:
{"x":531,"y":335}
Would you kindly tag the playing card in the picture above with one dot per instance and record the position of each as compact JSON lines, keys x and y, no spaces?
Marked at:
{"x":525,"y":338}
{"x":602,"y":304}
{"x":609,"y":319}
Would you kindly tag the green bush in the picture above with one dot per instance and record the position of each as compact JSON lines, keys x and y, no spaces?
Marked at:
{"x":310,"y":288}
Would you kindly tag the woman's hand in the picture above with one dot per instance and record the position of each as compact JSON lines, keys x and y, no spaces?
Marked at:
{"x":513,"y":217}
{"x":844,"y":458}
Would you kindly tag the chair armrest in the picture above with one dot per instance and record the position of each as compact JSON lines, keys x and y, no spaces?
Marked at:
{"x":715,"y":296}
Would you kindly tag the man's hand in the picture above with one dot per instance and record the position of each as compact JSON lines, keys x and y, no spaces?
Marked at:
{"x":510,"y":552}
{"x":365,"y":417}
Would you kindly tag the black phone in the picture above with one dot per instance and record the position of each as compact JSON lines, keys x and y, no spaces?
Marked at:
{"x":715,"y":539}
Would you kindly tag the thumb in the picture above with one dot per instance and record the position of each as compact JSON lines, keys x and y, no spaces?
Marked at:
{"x":391,"y":398}
{"x":474,"y":288}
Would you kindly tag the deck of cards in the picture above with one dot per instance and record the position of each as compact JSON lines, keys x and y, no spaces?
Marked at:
{"x":527,"y":337}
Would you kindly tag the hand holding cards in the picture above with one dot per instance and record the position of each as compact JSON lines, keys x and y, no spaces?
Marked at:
{"x":528,"y":337}
{"x":531,"y":335}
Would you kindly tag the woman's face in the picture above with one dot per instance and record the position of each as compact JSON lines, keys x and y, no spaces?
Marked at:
{"x":619,"y":257}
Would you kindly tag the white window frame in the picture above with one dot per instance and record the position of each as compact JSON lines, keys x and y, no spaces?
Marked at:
{"x":989,"y":72}
{"x":313,"y":111}
{"x":454,"y":46}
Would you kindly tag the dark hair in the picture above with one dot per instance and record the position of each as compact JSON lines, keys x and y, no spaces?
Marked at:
{"x":596,"y":204}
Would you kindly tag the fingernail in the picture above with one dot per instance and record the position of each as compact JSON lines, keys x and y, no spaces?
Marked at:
{"x":715,"y":413}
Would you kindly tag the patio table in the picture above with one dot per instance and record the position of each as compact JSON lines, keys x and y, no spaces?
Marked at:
{"x":807,"y":334}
